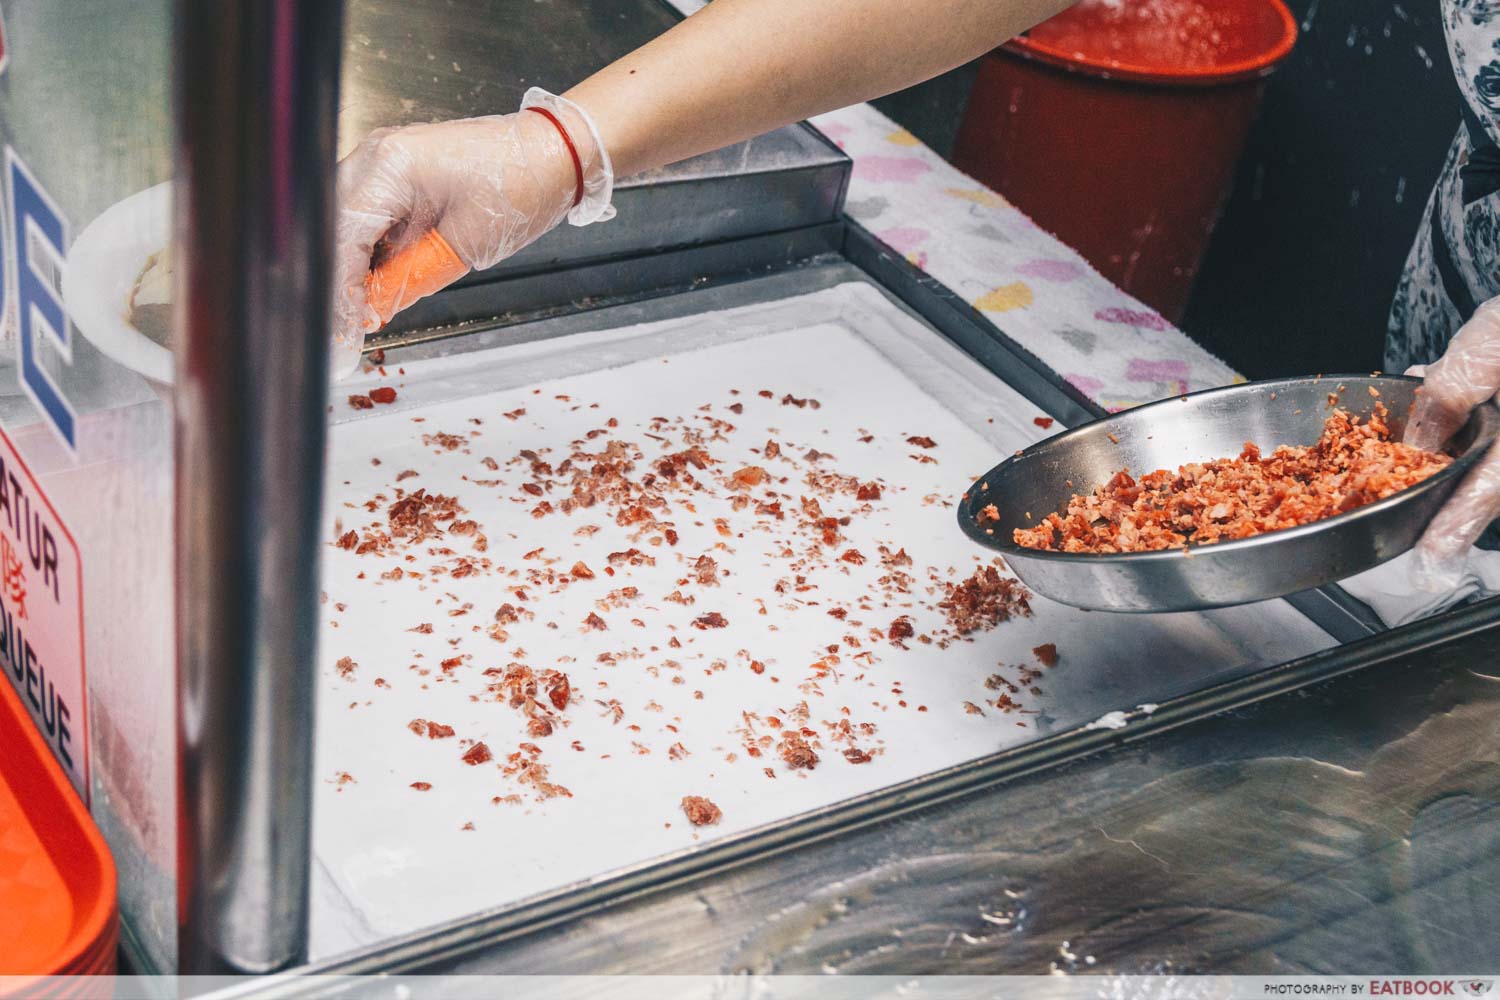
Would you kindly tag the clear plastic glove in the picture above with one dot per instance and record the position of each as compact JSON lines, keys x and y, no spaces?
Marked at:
{"x":419,"y":207}
{"x":1463,"y":378}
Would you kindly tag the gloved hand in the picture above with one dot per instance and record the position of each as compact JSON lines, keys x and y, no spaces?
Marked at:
{"x":1464,"y":377}
{"x":423,"y":205}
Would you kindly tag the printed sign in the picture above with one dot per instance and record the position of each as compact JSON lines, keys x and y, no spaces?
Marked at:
{"x":34,"y":252}
{"x":41,"y":615}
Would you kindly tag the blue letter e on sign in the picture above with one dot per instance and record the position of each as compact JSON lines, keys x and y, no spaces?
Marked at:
{"x":36,"y":244}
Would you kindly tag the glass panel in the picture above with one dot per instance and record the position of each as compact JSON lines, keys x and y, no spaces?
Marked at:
{"x":84,"y":111}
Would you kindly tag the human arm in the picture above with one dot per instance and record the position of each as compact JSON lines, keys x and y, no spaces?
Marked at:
{"x":739,"y":68}
{"x":489,"y":186}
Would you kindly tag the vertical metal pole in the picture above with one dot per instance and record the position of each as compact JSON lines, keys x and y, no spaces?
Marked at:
{"x":256,"y":110}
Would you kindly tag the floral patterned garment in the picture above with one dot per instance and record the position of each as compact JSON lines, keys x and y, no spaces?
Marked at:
{"x":1455,"y":259}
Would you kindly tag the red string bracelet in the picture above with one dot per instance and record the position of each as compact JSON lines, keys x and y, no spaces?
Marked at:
{"x":572,"y":151}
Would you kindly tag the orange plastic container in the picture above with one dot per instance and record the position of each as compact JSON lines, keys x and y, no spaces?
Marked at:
{"x":1117,"y":126}
{"x":57,"y":879}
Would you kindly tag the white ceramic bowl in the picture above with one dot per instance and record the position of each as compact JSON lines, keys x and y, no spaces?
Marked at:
{"x":102,"y":268}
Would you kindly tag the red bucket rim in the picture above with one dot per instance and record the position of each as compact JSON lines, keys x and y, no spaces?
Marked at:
{"x":1243,"y":69}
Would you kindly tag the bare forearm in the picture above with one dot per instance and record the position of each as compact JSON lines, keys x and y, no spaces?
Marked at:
{"x":739,"y":68}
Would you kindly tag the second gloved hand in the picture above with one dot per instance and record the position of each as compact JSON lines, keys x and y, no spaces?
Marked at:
{"x":485,"y":186}
{"x":1466,"y":376}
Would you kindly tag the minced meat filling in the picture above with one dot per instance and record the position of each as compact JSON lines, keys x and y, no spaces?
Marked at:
{"x":1352,"y":464}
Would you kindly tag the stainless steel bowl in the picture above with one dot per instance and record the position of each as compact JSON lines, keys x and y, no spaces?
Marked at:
{"x":1196,"y":428}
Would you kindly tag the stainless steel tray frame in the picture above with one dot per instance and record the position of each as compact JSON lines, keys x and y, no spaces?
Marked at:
{"x":498,"y":940}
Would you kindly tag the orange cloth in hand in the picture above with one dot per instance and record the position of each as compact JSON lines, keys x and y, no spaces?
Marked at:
{"x":419,"y":270}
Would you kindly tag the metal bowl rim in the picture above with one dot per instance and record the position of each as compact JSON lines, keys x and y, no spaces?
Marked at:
{"x":1487,"y":413}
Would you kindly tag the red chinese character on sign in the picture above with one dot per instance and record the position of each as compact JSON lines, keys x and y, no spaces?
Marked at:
{"x":14,"y":580}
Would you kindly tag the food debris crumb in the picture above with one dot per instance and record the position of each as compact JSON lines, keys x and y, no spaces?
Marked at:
{"x":1046,"y":654}
{"x":432,"y":730}
{"x":1043,"y":422}
{"x":422,"y":786}
{"x":559,"y":690}
{"x":706,"y":571}
{"x":984,"y":600}
{"x":477,"y":754}
{"x":700,"y":811}
{"x":359,"y":401}
{"x":796,"y":751}
{"x":750,"y":475}
{"x":346,"y":667}
{"x":922,"y":441}
{"x":383,"y":394}
{"x":711,"y":620}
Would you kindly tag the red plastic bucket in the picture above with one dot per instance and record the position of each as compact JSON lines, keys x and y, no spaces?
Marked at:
{"x":1117,"y":125}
